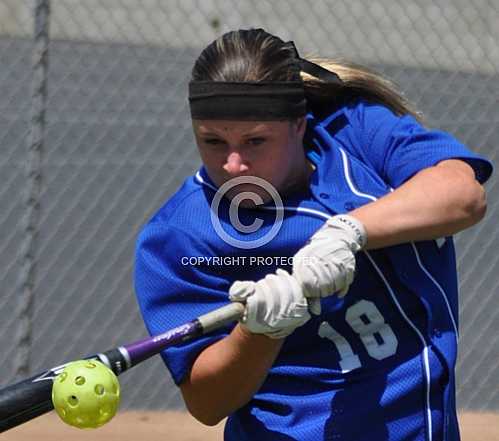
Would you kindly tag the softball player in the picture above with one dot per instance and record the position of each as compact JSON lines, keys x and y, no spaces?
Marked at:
{"x":351,"y":323}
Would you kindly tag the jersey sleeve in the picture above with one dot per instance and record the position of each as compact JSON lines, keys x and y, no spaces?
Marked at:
{"x":172,"y":291}
{"x":399,"y":146}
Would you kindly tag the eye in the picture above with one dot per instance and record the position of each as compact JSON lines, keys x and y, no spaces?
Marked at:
{"x":213,"y":141}
{"x":256,"y":141}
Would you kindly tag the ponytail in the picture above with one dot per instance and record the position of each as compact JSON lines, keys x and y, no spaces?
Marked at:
{"x":358,"y":82}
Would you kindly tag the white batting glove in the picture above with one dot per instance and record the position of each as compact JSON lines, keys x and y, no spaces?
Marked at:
{"x":275,"y":305}
{"x":326,"y":265}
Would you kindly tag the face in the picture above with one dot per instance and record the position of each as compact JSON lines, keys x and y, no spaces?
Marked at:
{"x":271,"y":150}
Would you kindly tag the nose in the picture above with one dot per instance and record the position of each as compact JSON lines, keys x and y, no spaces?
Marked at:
{"x":234,"y":164}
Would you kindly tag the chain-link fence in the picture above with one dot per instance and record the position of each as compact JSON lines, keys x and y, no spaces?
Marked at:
{"x":117,"y":143}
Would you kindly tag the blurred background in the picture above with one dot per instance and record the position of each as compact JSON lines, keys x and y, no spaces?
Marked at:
{"x":95,"y":135}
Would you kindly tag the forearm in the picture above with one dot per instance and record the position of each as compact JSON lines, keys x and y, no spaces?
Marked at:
{"x":437,"y":202}
{"x":228,"y":373}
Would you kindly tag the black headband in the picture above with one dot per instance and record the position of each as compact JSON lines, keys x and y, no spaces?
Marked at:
{"x":255,"y":101}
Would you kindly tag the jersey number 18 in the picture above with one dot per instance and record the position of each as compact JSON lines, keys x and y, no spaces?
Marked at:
{"x":367,"y":322}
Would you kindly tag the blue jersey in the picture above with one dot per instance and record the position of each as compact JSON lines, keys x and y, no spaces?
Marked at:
{"x":376,"y":365}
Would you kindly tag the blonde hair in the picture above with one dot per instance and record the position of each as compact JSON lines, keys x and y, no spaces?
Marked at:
{"x":359,"y":82}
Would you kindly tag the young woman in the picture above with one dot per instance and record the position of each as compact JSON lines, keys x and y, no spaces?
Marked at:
{"x":355,"y":337}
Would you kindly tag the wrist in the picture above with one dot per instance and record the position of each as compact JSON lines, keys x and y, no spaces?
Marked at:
{"x":354,"y":227}
{"x":246,"y":337}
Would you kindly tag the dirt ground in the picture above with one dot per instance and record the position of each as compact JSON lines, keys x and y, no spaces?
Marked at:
{"x":179,"y":426}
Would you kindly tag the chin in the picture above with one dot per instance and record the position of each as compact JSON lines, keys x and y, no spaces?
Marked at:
{"x":260,"y":195}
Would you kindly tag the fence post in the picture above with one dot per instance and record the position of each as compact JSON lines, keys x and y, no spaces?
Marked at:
{"x":29,"y":224}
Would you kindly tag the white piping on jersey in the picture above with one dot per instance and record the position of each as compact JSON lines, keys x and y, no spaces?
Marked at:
{"x":439,"y":287}
{"x":202,"y":181}
{"x":420,"y":336}
{"x":346,"y":170}
{"x":317,"y":213}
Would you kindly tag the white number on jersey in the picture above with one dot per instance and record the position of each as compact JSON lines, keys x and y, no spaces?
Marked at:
{"x":366,"y":320}
{"x":349,"y":360}
{"x":376,"y":335}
